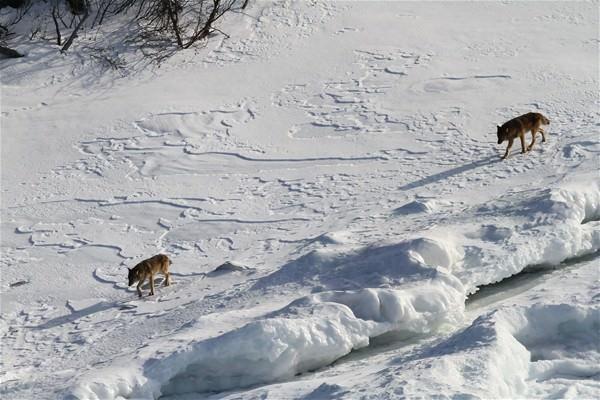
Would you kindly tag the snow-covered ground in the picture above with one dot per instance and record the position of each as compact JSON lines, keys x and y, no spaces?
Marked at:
{"x":338,"y":160}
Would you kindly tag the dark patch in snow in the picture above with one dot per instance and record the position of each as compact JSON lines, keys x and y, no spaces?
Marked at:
{"x":19,"y":283}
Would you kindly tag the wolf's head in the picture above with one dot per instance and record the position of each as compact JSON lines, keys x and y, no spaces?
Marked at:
{"x":502,"y":132}
{"x":132,"y":276}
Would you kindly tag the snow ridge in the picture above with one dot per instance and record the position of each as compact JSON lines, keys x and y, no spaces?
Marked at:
{"x":424,"y":292}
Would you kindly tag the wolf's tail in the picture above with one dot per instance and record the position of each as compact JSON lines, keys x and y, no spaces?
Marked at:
{"x":545,"y":120}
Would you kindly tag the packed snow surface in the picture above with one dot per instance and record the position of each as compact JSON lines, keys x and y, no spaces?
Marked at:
{"x":328,"y":185}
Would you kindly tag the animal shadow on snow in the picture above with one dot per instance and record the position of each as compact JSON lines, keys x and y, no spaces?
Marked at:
{"x":94,"y":308}
{"x":451,"y":172}
{"x":74,"y":316}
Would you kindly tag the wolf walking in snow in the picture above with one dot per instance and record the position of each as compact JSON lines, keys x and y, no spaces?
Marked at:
{"x":146,"y":270}
{"x":518,"y":127}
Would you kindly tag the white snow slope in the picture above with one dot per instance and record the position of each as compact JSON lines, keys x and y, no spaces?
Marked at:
{"x":338,"y":160}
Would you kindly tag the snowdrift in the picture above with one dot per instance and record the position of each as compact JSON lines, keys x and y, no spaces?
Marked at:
{"x":411,"y":287}
{"x":309,"y":333}
{"x":348,"y":267}
{"x":554,"y":224}
{"x":512,"y":351}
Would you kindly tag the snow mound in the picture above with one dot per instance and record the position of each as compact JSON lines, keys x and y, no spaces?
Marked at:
{"x":555,"y":324}
{"x":353,"y":267}
{"x":262,"y":351}
{"x":554,"y":224}
{"x":563,"y":343}
{"x":266,"y":350}
{"x":229,"y":267}
{"x":338,"y":237}
{"x":309,"y":333}
{"x":577,"y":200}
{"x":419,"y":206}
{"x":497,"y":356}
{"x":435,"y":252}
{"x":415,"y":309}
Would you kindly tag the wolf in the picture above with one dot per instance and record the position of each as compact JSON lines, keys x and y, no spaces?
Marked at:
{"x":519,"y":126}
{"x":146,"y":270}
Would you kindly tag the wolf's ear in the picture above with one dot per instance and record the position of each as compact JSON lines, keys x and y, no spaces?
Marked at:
{"x":128,"y":268}
{"x":498,"y":126}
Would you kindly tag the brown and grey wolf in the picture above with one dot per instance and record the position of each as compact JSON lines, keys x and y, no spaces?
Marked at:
{"x":517,"y":127}
{"x":146,"y":270}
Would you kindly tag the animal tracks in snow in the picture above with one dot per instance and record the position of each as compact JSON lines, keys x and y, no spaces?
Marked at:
{"x":259,"y":42}
{"x":165,"y":135}
{"x":352,"y":106}
{"x":193,"y":143}
{"x":328,"y":141}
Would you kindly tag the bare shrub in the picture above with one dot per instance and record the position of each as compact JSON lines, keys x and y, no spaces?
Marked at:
{"x":162,"y":25}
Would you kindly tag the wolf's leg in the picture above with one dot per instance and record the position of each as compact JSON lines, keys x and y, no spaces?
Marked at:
{"x":151,"y":284}
{"x":532,"y":140}
{"x":543,"y":135}
{"x":141,"y":281}
{"x":164,"y":269}
{"x":510,"y":142}
{"x":522,"y":137}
